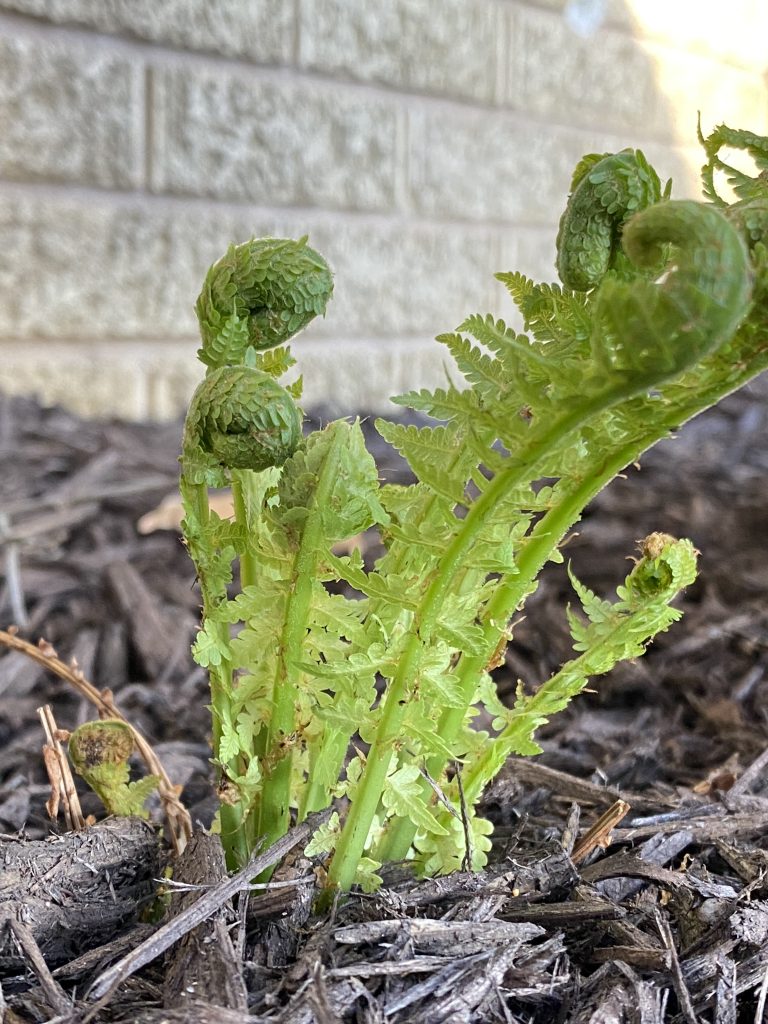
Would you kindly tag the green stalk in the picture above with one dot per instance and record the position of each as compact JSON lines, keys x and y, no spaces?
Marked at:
{"x":335,"y":742}
{"x":273,"y":817}
{"x":388,"y":734}
{"x":233,"y":836}
{"x":241,"y":480}
{"x":327,"y":762}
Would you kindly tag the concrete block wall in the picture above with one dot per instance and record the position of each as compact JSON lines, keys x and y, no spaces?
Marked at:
{"x":422,"y":144}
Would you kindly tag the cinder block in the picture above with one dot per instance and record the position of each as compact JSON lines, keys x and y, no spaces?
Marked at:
{"x":736,"y":35}
{"x":360,"y":376}
{"x":476,"y":165}
{"x":94,"y":269}
{"x":69,"y":113}
{"x":587,"y":16}
{"x":169,"y":373}
{"x":448,"y":48}
{"x":155,"y":380}
{"x":261,"y":31}
{"x":604,"y":80}
{"x":591,"y":54}
{"x":687,"y":84}
{"x":129,"y":269}
{"x":342,"y":377}
{"x":251,"y":137}
{"x":396,"y":279}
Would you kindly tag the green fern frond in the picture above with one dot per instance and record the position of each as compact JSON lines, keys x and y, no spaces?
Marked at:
{"x":428,"y":451}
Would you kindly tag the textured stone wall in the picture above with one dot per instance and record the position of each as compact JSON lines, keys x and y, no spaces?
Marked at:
{"x":422,"y":144}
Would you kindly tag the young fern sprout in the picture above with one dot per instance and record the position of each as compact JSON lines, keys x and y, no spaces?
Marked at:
{"x":273,"y":287}
{"x":99,"y":752}
{"x":239,"y":418}
{"x":317,"y":695}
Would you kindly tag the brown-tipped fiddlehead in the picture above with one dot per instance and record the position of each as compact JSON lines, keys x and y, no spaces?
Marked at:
{"x":99,"y":752}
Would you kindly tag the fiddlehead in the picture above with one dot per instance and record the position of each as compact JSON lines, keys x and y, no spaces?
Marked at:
{"x":99,"y":752}
{"x":749,"y":214}
{"x":606,"y":190}
{"x":240,"y":423}
{"x":259,"y":294}
{"x":239,"y":418}
{"x":658,"y":330}
{"x":745,"y":186}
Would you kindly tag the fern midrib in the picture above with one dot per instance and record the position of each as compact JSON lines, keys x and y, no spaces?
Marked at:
{"x":272,"y":818}
{"x":475,"y":778}
{"x":220,"y":677}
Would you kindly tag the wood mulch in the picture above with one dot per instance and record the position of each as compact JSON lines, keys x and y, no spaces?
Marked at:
{"x":629,"y":876}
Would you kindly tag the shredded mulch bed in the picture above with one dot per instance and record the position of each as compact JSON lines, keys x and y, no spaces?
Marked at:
{"x":629,"y":875}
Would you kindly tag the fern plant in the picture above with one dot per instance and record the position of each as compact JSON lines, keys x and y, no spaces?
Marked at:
{"x":370,"y":700}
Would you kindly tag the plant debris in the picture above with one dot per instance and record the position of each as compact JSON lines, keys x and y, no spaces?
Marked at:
{"x":668,"y":923}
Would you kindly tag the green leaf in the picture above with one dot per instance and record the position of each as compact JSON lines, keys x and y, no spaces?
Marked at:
{"x":210,"y":648}
{"x":324,"y":838}
{"x":366,"y":875}
{"x":352,"y":504}
{"x":438,"y":456}
{"x":403,"y":798}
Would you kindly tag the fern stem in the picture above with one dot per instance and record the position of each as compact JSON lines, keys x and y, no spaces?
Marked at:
{"x":233,"y":838}
{"x":273,"y":816}
{"x":388,"y":734}
{"x":241,"y":499}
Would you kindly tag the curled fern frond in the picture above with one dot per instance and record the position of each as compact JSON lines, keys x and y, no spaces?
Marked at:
{"x":99,"y":752}
{"x":605,"y":193}
{"x":658,"y":330}
{"x":239,"y":418}
{"x":258,"y":295}
{"x":744,"y":185}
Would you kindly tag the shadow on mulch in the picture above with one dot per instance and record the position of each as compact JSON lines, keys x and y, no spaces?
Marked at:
{"x":669,"y":923}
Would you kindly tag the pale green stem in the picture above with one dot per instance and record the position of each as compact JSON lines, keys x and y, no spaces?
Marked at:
{"x":233,"y":836}
{"x":334,"y":743}
{"x":241,"y":479}
{"x":273,"y":815}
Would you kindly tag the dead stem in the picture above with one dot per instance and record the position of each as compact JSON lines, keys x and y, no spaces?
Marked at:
{"x":60,"y":774}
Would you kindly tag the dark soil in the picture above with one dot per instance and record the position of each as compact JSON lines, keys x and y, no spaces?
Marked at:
{"x":668,"y":923}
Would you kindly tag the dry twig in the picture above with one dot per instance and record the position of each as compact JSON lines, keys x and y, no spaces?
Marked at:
{"x":600,"y":833}
{"x":60,"y":775}
{"x":203,"y":908}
